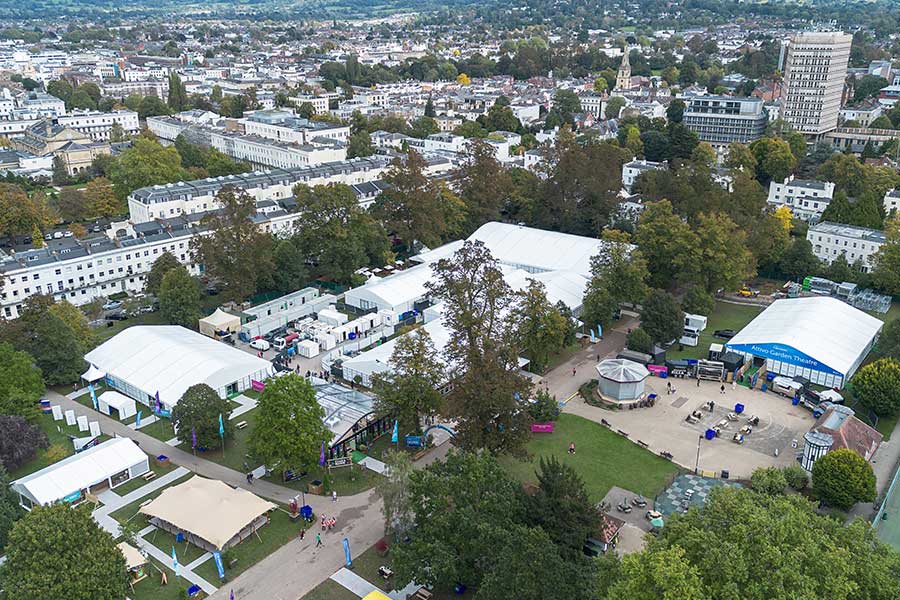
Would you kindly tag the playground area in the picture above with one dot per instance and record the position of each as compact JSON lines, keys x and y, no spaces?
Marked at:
{"x":665,"y":427}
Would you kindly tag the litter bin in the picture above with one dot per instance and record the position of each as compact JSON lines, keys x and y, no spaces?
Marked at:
{"x":314,"y":487}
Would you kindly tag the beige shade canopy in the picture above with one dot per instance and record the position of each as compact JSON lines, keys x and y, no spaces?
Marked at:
{"x":133,"y":556}
{"x":208,"y":509}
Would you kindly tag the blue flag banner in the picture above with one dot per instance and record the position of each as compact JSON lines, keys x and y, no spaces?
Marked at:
{"x":599,"y":331}
{"x":93,"y":395}
{"x":593,"y":338}
{"x":322,"y":455}
{"x":217,"y":556}
{"x":395,"y":436}
{"x":175,"y":563}
{"x":221,"y":427}
{"x":347,"y":553}
{"x":137,"y":420}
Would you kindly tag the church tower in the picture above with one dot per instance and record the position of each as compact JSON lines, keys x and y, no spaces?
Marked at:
{"x":623,"y":77}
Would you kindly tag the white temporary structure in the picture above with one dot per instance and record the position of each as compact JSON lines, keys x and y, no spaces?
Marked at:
{"x":93,"y":374}
{"x":213,"y":514}
{"x":165,"y":360}
{"x":107,"y":464}
{"x":219,"y":321}
{"x":621,"y":379}
{"x":822,"y":339}
{"x":120,"y":402}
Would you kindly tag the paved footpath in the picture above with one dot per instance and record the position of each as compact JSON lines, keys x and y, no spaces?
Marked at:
{"x":297,"y":567}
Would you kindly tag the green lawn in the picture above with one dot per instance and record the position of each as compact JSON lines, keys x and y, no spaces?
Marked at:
{"x":104,"y":333}
{"x":328,"y":590}
{"x":603,"y":458}
{"x":236,"y":450}
{"x":139,"y":482}
{"x":162,"y":429}
{"x":725,"y":316}
{"x":342,"y":479}
{"x":165,"y":541}
{"x":129,"y":512}
{"x":58,"y":436}
{"x":279,"y":531}
{"x":150,"y":588}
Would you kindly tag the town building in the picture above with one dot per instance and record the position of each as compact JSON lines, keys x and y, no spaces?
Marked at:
{"x":892,"y":202}
{"x":76,"y":149}
{"x":722,"y":120}
{"x":815,"y":70}
{"x":632,"y":170}
{"x":806,"y":198}
{"x":857,"y":244}
{"x":98,"y":125}
{"x":838,"y":428}
{"x":623,"y":75}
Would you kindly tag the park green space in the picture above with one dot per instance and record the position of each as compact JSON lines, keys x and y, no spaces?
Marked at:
{"x":603,"y":459}
{"x":151,"y":589}
{"x":58,"y":435}
{"x":726,"y":315}
{"x":139,"y":481}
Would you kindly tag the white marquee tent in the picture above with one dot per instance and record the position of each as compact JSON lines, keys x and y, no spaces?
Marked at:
{"x":147,"y":360}
{"x":114,"y":400}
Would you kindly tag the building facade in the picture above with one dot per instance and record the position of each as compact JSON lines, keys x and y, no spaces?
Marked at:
{"x":721,"y":120}
{"x":815,"y":70}
{"x":857,"y":244}
{"x":98,"y":125}
{"x":807,"y":199}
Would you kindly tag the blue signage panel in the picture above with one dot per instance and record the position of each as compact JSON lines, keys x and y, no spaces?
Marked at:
{"x":785,"y":354}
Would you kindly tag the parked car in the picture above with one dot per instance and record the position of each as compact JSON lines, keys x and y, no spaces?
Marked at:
{"x":117,"y":316}
{"x":260,"y":345}
{"x":725,"y":334}
{"x":112,"y":305}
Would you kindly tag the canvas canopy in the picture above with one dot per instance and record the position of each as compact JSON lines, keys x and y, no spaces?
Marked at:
{"x":209,"y":509}
{"x":219,"y":321}
{"x":133,"y":557}
{"x":122,"y":403}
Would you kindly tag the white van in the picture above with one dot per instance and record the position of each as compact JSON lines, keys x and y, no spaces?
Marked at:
{"x":260,"y":344}
{"x":786,"y":387}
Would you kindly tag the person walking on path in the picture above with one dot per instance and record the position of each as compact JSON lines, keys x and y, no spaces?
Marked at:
{"x":334,"y":495}
{"x":573,"y":371}
{"x":722,"y":389}
{"x":319,"y":543}
{"x":302,"y":534}
{"x":250,"y":478}
{"x":698,"y":381}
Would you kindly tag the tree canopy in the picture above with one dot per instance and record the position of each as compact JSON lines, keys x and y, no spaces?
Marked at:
{"x":197,"y":413}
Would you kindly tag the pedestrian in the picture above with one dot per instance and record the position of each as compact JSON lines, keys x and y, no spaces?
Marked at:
{"x":698,"y":381}
{"x":571,"y":447}
{"x":323,"y":522}
{"x":733,"y":384}
{"x":722,"y":389}
{"x":302,"y":534}
{"x":668,"y":388}
{"x":319,"y":540}
{"x":334,"y":495}
{"x":573,"y":371}
{"x":250,"y":478}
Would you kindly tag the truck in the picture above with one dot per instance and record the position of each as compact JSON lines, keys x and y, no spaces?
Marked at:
{"x":280,"y":343}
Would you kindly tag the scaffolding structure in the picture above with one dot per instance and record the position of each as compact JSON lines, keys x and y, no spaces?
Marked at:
{"x":871,"y":301}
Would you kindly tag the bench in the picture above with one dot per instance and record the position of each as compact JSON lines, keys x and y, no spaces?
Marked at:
{"x":149,"y":475}
{"x":241,"y":425}
{"x":145,"y":502}
{"x":422,"y":594}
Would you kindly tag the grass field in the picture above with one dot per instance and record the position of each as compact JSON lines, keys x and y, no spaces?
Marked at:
{"x":150,"y":588}
{"x":603,"y":459}
{"x":139,"y":482}
{"x":725,"y":316}
{"x":279,"y":531}
{"x":345,"y":481}
{"x":328,"y":590}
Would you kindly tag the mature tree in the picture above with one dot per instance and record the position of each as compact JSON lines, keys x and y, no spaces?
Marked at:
{"x":72,"y":205}
{"x":162,"y":265}
{"x":539,"y":326}
{"x":740,"y":158}
{"x":19,"y":212}
{"x":360,"y":145}
{"x":289,"y":431}
{"x":395,"y":494}
{"x":842,"y":478}
{"x":423,"y":127}
{"x":528,"y":562}
{"x":179,"y":298}
{"x":290,"y":268}
{"x":868,"y":87}
{"x":566,"y":103}
{"x":675,"y":111}
{"x":768,"y":480}
{"x":236,"y":253}
{"x":661,"y":317}
{"x":487,"y":393}
{"x":76,"y":321}
{"x":613,"y":106}
{"x":463,"y":508}
{"x":666,"y":241}
{"x":698,"y":301}
{"x":846,"y":172}
{"x":19,"y":441}
{"x":484,"y":185}
{"x":53,"y":338}
{"x":796,"y":477}
{"x":145,"y":163}
{"x":639,"y":341}
{"x":722,"y":259}
{"x":600,"y":85}
{"x":21,"y":383}
{"x":10,"y":511}
{"x":886,"y":274}
{"x":877,"y":385}
{"x":618,"y":274}
{"x":663,"y":574}
{"x":334,"y":234}
{"x":408,"y":390}
{"x":771,"y":544}
{"x":774,"y":159}
{"x":414,"y":207}
{"x":117,"y":133}
{"x":471,"y":129}
{"x":60,"y":88}
{"x":80,"y":99}
{"x":151,"y":106}
{"x":561,"y":507}
{"x":178,"y":98}
{"x":197,"y":414}
{"x":101,"y":199}
{"x":45,"y":557}
{"x":500,"y":118}
{"x":798,"y":260}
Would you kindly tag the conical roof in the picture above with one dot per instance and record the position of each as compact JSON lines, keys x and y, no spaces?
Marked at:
{"x":622,"y":370}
